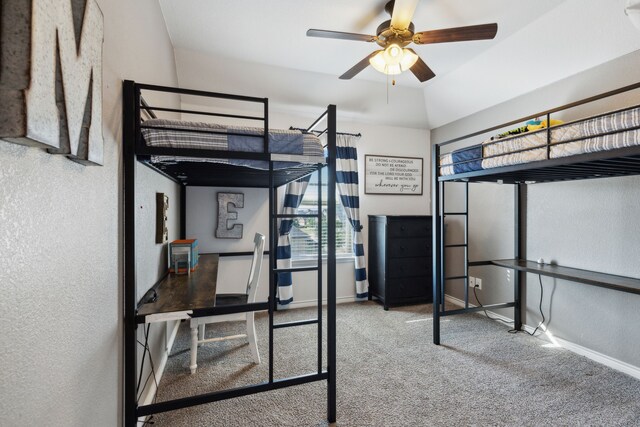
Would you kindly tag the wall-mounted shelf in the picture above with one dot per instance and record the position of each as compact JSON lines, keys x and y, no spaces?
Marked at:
{"x":610,"y":281}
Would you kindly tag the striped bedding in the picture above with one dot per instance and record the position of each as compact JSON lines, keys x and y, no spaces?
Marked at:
{"x":504,"y":150}
{"x":613,"y":130}
{"x":466,"y":159}
{"x":592,"y":131}
{"x":196,"y":135}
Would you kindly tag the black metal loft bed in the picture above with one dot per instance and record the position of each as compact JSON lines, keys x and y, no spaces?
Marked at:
{"x":605,"y":145}
{"x":198,"y":166}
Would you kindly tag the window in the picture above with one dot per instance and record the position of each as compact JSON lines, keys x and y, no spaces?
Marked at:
{"x":304,"y":233}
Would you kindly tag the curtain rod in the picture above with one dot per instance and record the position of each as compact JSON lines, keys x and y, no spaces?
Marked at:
{"x":357,"y":135}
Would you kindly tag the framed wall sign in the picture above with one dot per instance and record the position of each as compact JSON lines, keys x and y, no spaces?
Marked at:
{"x":393,"y":175}
{"x":162,"y":207}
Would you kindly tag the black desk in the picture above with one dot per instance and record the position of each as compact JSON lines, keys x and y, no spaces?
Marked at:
{"x":180,"y":294}
{"x":594,"y":278}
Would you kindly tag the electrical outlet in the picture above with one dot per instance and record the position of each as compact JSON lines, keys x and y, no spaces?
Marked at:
{"x":472,"y":282}
{"x":479,"y":283}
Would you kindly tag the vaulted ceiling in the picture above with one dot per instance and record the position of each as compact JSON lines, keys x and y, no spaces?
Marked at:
{"x":260,"y":48}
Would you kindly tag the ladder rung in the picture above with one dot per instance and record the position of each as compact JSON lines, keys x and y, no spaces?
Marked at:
{"x":296,"y":323}
{"x":461,"y":245}
{"x":455,"y":277}
{"x":456,"y":213}
{"x":294,"y":270}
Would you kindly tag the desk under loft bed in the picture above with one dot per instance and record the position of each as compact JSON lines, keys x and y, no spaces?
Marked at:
{"x":202,"y":154}
{"x":600,"y":146}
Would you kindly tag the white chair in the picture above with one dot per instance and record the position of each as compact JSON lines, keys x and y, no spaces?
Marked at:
{"x":198,"y":323}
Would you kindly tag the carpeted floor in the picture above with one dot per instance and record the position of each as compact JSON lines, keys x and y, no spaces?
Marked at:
{"x":390,"y":374}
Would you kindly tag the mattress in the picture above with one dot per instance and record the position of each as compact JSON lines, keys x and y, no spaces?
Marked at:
{"x":466,"y":159}
{"x":596,"y":134}
{"x":609,"y":131}
{"x":302,"y":147}
{"x":515,"y":150}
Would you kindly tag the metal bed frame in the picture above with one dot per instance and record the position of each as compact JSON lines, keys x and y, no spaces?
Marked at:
{"x":215,"y":174}
{"x":601,"y":164}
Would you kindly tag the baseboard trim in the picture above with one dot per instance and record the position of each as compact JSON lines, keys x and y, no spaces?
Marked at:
{"x":608,"y":361}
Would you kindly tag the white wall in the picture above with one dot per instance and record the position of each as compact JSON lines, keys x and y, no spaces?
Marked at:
{"x":584,"y":224}
{"x":61,"y":293}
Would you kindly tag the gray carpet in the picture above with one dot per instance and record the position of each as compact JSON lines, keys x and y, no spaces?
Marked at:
{"x":390,"y":374}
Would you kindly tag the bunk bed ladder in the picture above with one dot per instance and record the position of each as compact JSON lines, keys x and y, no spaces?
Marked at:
{"x":275,"y":270}
{"x":444,"y":245}
{"x":330,"y":373}
{"x":440,"y":246}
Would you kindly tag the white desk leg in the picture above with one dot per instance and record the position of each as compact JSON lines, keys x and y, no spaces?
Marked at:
{"x":201,"y":333}
{"x":194,"y":349}
{"x":251,"y":335}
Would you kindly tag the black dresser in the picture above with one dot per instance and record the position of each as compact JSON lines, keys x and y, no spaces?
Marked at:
{"x":400,"y":259}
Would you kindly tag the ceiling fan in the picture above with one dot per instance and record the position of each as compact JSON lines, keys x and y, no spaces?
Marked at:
{"x":398,"y":32}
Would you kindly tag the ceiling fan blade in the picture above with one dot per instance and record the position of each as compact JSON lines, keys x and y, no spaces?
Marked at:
{"x":358,"y":67}
{"x":459,"y":34}
{"x":340,"y":35}
{"x":422,"y":70}
{"x":403,"y":13}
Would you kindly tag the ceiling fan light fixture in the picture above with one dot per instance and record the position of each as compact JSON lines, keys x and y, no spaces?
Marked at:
{"x":393,"y":60}
{"x":379,"y":62}
{"x":393,"y":53}
{"x":409,"y":58}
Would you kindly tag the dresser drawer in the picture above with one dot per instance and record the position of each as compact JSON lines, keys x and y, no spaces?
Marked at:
{"x":408,"y":247}
{"x":409,"y":228}
{"x":408,"y":267}
{"x":412,"y":287}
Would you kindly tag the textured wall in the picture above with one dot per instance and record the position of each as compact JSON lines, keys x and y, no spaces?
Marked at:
{"x":151,"y":257}
{"x":60,"y":263}
{"x":584,"y":224}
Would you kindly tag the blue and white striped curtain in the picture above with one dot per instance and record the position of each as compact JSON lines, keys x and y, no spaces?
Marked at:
{"x":347,"y":180}
{"x":293,"y":194}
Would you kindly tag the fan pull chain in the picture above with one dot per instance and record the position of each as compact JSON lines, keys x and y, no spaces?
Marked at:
{"x":393,"y":83}
{"x":387,"y":86}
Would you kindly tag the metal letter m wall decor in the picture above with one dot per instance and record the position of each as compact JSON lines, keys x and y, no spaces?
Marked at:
{"x":51,"y":76}
{"x":226,"y":212}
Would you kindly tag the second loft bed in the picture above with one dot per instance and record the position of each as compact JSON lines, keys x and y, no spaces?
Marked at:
{"x":549,"y":153}
{"x":196,"y":153}
{"x":599,"y":146}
